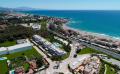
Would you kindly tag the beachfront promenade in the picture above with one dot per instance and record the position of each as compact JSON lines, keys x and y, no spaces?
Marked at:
{"x":106,"y":51}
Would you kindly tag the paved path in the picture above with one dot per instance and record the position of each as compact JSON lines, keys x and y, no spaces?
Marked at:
{"x":105,"y":69}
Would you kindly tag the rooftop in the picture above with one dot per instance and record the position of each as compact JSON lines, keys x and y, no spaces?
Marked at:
{"x":18,"y":46}
{"x":76,"y":62}
{"x":49,"y":45}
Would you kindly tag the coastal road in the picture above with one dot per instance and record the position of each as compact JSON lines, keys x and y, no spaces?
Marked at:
{"x":113,"y":54}
{"x":106,"y":51}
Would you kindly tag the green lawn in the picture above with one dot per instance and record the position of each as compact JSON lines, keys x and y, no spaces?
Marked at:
{"x":28,"y":53}
{"x":7,"y":43}
{"x":3,"y":67}
{"x":26,"y":66}
{"x":107,"y":68}
{"x":88,"y":50}
{"x":110,"y":70}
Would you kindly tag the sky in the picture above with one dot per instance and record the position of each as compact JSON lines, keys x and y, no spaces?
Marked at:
{"x":64,"y":4}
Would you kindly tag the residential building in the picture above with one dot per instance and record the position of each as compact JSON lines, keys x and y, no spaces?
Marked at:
{"x":48,"y":47}
{"x":35,"y":26}
{"x":85,"y":65}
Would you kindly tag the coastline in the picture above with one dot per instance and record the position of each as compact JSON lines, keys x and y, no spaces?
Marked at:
{"x":83,"y":32}
{"x":98,"y":35}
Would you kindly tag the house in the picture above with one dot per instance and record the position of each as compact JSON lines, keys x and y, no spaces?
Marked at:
{"x":20,"y":70}
{"x":35,"y":26}
{"x":63,"y":41}
{"x":25,"y":24}
{"x":85,"y":65}
{"x":20,"y":41}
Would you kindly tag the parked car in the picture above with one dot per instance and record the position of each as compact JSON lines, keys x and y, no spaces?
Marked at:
{"x":75,"y":55}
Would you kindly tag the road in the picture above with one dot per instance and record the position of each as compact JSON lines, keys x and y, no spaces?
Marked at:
{"x":63,"y":64}
{"x":111,"y":53}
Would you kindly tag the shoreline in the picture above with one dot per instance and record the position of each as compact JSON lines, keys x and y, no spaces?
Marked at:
{"x":83,"y":32}
{"x":98,"y":35}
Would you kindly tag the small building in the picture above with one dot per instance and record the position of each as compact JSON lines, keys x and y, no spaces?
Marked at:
{"x":20,"y":70}
{"x":35,"y":26}
{"x":20,"y":41}
{"x":25,"y":24}
{"x":33,"y":64}
{"x":63,"y":41}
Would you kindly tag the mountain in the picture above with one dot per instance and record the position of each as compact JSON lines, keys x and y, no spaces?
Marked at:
{"x":24,"y":9}
{"x":17,"y":9}
{"x":4,"y":9}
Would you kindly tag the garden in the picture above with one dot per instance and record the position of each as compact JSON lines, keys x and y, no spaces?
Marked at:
{"x":20,"y":59}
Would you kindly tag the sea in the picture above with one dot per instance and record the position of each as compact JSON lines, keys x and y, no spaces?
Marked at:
{"x":104,"y":22}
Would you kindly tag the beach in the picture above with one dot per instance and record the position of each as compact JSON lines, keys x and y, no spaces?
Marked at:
{"x":92,"y":34}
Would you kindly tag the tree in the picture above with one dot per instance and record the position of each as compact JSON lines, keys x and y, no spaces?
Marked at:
{"x":15,"y":32}
{"x":39,"y":62}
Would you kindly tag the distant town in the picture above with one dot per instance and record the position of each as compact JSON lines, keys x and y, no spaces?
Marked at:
{"x":34,"y":44}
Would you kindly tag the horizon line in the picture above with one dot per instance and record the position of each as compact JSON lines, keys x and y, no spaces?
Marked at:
{"x":61,"y":9}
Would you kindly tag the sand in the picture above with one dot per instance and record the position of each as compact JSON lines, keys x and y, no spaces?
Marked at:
{"x":98,"y":35}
